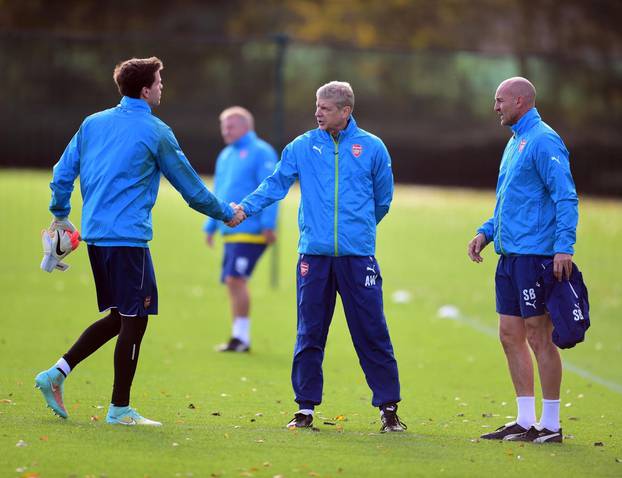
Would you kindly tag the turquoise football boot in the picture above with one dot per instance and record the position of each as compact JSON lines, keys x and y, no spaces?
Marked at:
{"x":128,"y":416}
{"x":50,"y":382}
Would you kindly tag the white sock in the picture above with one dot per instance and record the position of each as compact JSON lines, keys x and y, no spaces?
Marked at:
{"x":63,"y":365}
{"x":305,"y":411}
{"x":242,"y":329}
{"x":526,"y":411}
{"x":550,"y":415}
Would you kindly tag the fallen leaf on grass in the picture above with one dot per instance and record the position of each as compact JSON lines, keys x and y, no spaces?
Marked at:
{"x":599,"y":443}
{"x":267,"y":464}
{"x":5,"y":400}
{"x":94,"y":418}
{"x":341,"y":418}
{"x":43,"y":438}
{"x":30,"y":474}
{"x":216,"y":414}
{"x":618,"y":460}
{"x":573,"y":418}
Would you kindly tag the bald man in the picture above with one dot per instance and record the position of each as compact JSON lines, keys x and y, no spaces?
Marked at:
{"x":535,"y":220}
{"x":240,"y":167}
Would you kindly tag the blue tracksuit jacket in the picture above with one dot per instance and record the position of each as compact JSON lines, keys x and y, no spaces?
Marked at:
{"x":119,"y":154}
{"x":537,"y":205}
{"x":240,"y":168}
{"x":346,"y":188}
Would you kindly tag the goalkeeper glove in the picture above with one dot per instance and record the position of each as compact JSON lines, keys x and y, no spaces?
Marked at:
{"x":62,"y":223}
{"x":58,"y":244}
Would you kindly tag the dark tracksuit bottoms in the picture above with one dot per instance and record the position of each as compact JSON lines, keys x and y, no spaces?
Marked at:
{"x":358,"y":281}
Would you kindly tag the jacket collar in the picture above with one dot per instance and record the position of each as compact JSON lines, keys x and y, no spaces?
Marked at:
{"x":349,"y":130}
{"x":245,"y":140}
{"x":134,"y":104}
{"x":528,"y":121}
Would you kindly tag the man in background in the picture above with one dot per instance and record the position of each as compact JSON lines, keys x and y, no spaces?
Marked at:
{"x":241,"y":166}
{"x":120,"y":154}
{"x":535,"y":219}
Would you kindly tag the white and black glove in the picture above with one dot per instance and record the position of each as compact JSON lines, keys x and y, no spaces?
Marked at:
{"x":58,"y":244}
{"x":62,"y":223}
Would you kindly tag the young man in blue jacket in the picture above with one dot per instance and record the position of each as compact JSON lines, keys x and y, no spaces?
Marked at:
{"x":120,"y":154}
{"x":346,"y":188}
{"x":241,"y":166}
{"x":535,"y":219}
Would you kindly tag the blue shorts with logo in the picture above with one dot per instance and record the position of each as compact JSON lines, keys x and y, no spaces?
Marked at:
{"x":519,"y":287}
{"x":240,"y":259}
{"x":124,"y":280}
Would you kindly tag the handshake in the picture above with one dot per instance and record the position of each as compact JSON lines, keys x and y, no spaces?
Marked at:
{"x":238,"y":215}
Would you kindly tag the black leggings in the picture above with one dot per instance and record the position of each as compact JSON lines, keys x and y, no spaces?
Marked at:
{"x":130,"y":331}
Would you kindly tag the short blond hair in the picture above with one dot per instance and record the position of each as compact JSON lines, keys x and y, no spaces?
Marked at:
{"x":338,"y":91}
{"x":240,"y":112}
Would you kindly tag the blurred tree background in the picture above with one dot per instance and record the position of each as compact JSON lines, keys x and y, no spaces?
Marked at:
{"x":424,"y":74}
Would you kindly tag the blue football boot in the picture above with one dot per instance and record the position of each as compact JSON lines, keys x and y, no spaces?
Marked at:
{"x":128,"y":416}
{"x":50,"y":382}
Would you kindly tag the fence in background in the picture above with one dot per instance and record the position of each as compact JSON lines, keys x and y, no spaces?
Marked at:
{"x":433,"y":109}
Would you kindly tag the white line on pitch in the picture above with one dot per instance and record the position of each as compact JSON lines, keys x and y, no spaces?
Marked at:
{"x":492,"y":332}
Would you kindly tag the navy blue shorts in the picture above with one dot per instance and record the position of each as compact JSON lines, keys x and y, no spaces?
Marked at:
{"x":240,"y":259}
{"x":518,"y":285}
{"x":124,"y":280}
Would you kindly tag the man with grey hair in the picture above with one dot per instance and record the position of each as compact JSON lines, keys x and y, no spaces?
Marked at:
{"x":533,"y":227}
{"x":346,"y":188}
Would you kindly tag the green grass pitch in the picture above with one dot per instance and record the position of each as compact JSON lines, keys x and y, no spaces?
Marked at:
{"x":224,"y":415}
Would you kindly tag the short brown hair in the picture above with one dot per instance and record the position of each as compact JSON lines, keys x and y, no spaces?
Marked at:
{"x":134,"y":74}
